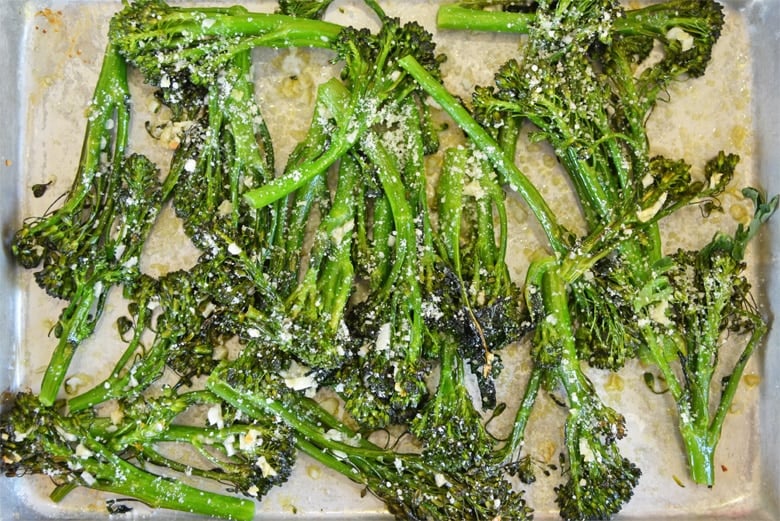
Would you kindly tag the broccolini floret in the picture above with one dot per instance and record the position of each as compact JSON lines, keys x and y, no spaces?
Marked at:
{"x":697,"y":300}
{"x":93,"y":240}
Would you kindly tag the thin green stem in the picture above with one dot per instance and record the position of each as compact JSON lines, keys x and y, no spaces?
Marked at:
{"x":485,"y":142}
{"x":455,"y":16}
{"x":159,"y":492}
{"x":510,"y":452}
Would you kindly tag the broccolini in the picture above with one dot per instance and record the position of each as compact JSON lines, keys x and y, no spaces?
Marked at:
{"x":359,"y":270}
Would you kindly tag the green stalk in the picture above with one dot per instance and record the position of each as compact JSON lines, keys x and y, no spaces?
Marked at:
{"x":351,"y":125}
{"x":651,"y":21}
{"x":510,"y":452}
{"x":61,"y":491}
{"x":256,"y":405}
{"x":405,"y":262}
{"x":78,"y":322}
{"x":699,"y":453}
{"x":112,"y":386}
{"x":330,"y":274}
{"x":247,"y":158}
{"x":455,"y":16}
{"x":450,"y":203}
{"x":299,"y":176}
{"x":732,"y":382}
{"x":402,"y":215}
{"x":701,"y":431}
{"x":490,"y":252}
{"x":495,"y":154}
{"x":337,"y":277}
{"x":330,"y":461}
{"x":109,"y":105}
{"x":159,"y":492}
{"x":379,"y":250}
{"x":254,"y":29}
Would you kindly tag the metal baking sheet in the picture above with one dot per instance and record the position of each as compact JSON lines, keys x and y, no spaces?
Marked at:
{"x":49,"y":58}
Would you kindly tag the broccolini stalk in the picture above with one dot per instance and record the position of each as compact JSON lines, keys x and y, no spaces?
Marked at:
{"x":556,"y":235}
{"x":314,"y":317}
{"x":303,"y":314}
{"x":595,"y":121}
{"x":249,"y":458}
{"x":412,"y":486}
{"x":389,"y":382}
{"x":292,"y":215}
{"x":176,"y":45}
{"x":474,"y":249}
{"x":381,"y":375}
{"x":84,"y":245}
{"x":599,"y":479}
{"x":662,"y":21}
{"x":219,"y":161}
{"x":37,"y":439}
{"x":467,"y":18}
{"x":177,"y":319}
{"x":136,"y":201}
{"x":374,"y":80}
{"x":448,"y":425}
{"x":697,"y":299}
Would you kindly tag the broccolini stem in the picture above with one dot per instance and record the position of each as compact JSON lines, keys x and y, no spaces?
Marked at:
{"x":700,"y":435}
{"x":556,"y":306}
{"x":290,"y":226}
{"x":329,"y":460}
{"x":112,"y":386}
{"x":78,"y":322}
{"x":450,"y":203}
{"x":511,"y":451}
{"x":159,"y":492}
{"x":505,"y":165}
{"x":652,"y":21}
{"x":299,"y":176}
{"x":245,"y":29}
{"x":296,"y":415}
{"x":401,"y":211}
{"x":109,"y":101}
{"x":337,"y":276}
{"x":700,"y":454}
{"x":60,"y":491}
{"x":732,"y":381}
{"x":455,"y":16}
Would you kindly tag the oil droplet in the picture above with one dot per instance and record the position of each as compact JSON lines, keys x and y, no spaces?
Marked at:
{"x":547,"y":451}
{"x":739,"y":213}
{"x":738,"y":134}
{"x":549,"y":161}
{"x":287,"y":504}
{"x":614,"y":383}
{"x":314,"y":471}
{"x":751,"y":380}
